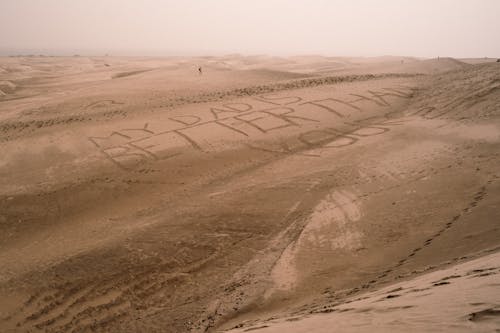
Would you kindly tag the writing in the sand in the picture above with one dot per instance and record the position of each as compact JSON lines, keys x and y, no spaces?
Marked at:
{"x":239,"y":123}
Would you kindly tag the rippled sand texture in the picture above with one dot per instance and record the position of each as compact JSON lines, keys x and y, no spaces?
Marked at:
{"x":139,"y":196}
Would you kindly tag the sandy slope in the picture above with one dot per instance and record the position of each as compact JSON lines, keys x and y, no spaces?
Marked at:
{"x":139,"y":196}
{"x":462,"y":298}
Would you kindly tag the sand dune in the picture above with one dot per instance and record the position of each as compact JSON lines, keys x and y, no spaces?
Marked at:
{"x":137,"y":195}
{"x":462,"y":298}
{"x":7,"y":87}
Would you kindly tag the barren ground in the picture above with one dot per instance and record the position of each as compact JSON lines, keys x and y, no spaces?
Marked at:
{"x":268,"y":194}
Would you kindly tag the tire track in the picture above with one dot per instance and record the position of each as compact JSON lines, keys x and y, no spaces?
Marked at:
{"x":82,"y":305}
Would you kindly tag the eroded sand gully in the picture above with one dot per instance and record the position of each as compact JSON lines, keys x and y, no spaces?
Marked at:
{"x":139,"y":197}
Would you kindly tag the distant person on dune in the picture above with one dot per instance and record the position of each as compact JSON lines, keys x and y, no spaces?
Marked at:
{"x":199,"y":70}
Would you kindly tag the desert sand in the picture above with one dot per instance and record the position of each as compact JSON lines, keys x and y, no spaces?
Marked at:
{"x":268,"y":194}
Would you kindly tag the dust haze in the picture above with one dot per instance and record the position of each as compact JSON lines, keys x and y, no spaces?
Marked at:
{"x":263,"y":166}
{"x":278,"y":27}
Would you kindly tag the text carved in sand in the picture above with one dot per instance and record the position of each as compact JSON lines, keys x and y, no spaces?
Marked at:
{"x":128,"y":147}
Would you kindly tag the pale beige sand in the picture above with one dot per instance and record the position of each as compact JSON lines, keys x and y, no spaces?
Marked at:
{"x":461,"y":298}
{"x":139,"y":196}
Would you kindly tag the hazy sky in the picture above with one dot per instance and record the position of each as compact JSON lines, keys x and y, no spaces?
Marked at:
{"x":427,"y":28}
